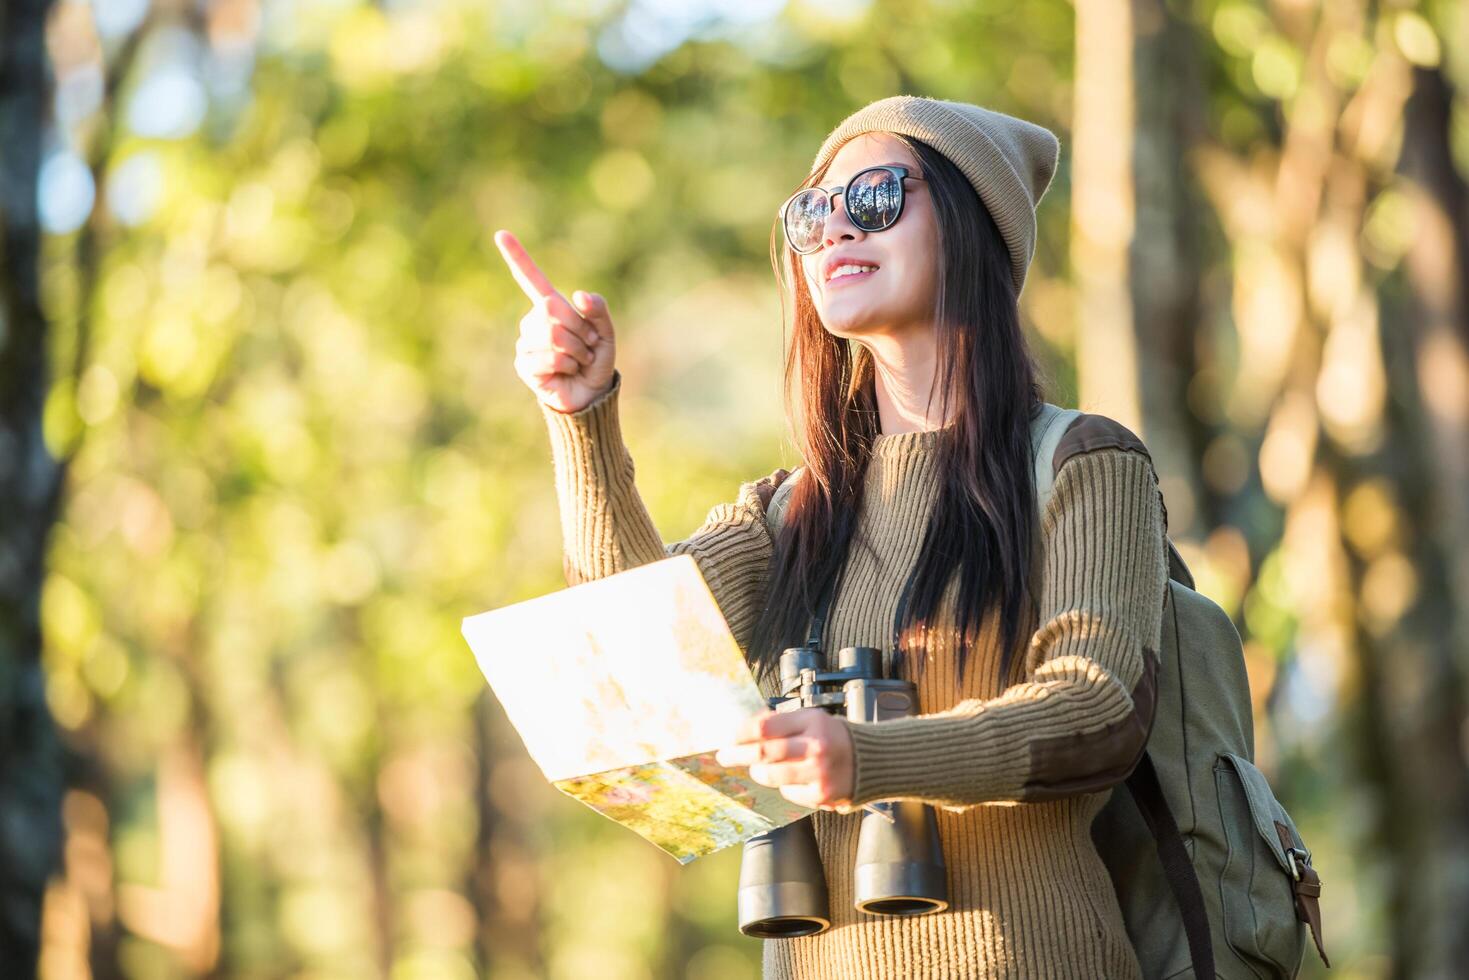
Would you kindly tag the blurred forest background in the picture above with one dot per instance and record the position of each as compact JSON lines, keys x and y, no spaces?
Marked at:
{"x":262,"y":446}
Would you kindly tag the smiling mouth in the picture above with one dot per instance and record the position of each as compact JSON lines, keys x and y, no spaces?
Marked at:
{"x":851,"y":277}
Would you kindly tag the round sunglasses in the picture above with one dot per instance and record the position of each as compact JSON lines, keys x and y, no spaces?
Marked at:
{"x":873,"y":199}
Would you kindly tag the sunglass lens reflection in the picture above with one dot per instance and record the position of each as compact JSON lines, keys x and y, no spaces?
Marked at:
{"x":874,"y":200}
{"x":805,"y":218}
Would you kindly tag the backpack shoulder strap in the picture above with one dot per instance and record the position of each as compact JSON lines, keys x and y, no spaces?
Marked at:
{"x":778,"y":501}
{"x":1046,"y":430}
{"x":1178,"y":869}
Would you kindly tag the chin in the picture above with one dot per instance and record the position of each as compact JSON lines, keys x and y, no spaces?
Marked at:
{"x":842,"y":326}
{"x":859,"y":324}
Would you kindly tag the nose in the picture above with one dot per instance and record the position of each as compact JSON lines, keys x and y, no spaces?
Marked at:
{"x":838,"y":226}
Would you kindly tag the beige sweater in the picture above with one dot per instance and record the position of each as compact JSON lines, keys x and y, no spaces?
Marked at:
{"x":1017,"y":772}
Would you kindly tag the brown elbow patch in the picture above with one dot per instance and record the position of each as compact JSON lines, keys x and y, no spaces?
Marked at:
{"x":1092,"y":432}
{"x":1068,"y":765}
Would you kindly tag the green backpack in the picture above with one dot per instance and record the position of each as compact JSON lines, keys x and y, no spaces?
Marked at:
{"x":1232,"y":893}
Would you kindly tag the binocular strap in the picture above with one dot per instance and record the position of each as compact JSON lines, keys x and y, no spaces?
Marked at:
{"x":817,"y":631}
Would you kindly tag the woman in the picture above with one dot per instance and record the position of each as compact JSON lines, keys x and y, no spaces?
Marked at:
{"x":1031,"y":637}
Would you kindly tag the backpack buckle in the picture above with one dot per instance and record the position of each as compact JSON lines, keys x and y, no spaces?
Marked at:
{"x":1294,"y":855}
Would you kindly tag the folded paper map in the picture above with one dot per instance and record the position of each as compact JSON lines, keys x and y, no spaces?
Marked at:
{"x":623,"y":689}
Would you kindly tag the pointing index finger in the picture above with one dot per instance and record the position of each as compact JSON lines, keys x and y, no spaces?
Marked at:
{"x":533,"y":281}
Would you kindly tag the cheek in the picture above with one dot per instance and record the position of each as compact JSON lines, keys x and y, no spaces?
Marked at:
{"x":920,"y":263}
{"x":918,"y":241}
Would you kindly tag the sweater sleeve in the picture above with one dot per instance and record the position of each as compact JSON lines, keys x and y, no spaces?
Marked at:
{"x":605,"y":527}
{"x":1081,"y":719}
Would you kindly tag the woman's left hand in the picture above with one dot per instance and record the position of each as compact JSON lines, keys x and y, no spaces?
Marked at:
{"x":806,"y":754}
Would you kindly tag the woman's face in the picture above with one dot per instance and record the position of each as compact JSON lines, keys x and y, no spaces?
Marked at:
{"x":899,"y":296}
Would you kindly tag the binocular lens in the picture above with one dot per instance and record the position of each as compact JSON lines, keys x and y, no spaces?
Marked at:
{"x":782,"y":888}
{"x":789,"y":928}
{"x":900,"y":865}
{"x":901,"y":906}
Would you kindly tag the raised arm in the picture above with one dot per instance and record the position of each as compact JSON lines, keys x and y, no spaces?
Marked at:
{"x":565,"y":354}
{"x":1080,"y":721}
{"x":606,"y":528}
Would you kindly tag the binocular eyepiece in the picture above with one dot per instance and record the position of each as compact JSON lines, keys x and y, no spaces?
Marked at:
{"x":900,"y":866}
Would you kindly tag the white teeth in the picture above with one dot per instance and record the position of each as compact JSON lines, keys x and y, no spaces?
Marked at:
{"x":846,"y":270}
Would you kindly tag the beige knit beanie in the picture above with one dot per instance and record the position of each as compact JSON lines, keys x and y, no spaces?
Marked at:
{"x":1009,"y":161}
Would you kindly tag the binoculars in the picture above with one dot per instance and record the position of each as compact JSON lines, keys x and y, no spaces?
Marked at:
{"x":900,"y":867}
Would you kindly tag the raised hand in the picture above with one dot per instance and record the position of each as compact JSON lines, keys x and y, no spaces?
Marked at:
{"x":565,"y":350}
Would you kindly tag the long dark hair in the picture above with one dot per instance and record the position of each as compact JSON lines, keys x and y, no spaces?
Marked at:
{"x":984,"y":519}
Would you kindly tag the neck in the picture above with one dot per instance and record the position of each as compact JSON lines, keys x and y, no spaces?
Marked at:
{"x":904,"y":379}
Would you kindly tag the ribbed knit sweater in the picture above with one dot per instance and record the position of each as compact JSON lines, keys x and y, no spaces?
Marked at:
{"x":1016,"y":771}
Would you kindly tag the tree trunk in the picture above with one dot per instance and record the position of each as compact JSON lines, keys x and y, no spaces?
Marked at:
{"x":1102,"y":211}
{"x":1164,"y":261}
{"x":1438,"y":270}
{"x":31,"y":772}
{"x":1428,"y":730}
{"x":502,"y":885}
